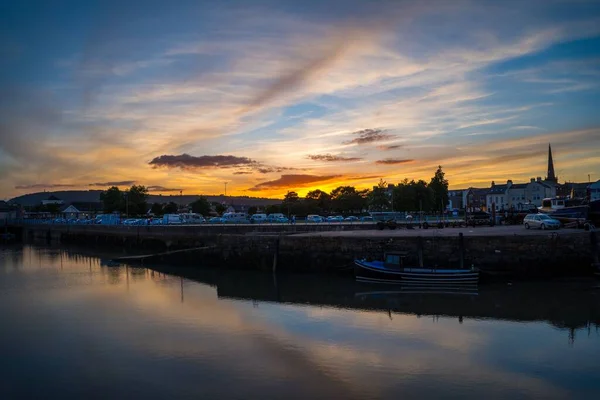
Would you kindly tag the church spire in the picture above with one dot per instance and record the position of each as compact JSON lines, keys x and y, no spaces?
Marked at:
{"x":551,"y":176}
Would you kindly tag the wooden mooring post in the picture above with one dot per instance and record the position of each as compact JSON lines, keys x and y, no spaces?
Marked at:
{"x":275,"y":255}
{"x":420,"y":250}
{"x":461,"y":249}
{"x":594,"y":248}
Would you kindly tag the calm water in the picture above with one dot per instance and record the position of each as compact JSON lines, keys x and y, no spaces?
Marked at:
{"x":72,"y":327}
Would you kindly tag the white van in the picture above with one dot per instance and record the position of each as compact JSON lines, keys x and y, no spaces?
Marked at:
{"x":275,"y":217}
{"x":257,"y":218}
{"x":192,"y":218}
{"x":235,"y":218}
{"x":172,"y":219}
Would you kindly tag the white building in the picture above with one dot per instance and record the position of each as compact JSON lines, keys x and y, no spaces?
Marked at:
{"x":498,"y":196}
{"x":538,"y":190}
{"x":594,"y":190}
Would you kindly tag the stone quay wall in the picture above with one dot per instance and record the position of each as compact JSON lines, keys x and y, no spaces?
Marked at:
{"x":261,"y":247}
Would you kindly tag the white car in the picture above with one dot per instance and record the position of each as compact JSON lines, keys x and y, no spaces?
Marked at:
{"x":314,"y":218}
{"x":335,"y":218}
{"x":541,"y":221}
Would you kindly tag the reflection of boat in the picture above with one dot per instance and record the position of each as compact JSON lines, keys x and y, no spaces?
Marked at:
{"x":469,"y":290}
{"x":392,"y":270}
{"x":572,"y":304}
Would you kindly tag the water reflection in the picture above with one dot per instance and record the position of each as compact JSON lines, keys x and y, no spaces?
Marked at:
{"x":96,"y":330}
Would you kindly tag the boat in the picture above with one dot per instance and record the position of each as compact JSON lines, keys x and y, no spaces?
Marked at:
{"x":392,"y":270}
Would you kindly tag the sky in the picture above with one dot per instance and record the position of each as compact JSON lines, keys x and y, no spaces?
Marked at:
{"x":273,"y":96}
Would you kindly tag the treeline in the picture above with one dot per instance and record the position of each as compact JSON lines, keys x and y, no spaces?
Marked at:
{"x":404,"y":196}
{"x":134,"y":202}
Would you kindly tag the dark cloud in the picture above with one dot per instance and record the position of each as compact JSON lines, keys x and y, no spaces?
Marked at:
{"x":367,"y":136}
{"x":45,"y":186}
{"x":115,"y":183}
{"x":161,"y":189}
{"x":186,"y":161}
{"x":292,"y":181}
{"x":242,"y":173}
{"x":270,"y":169}
{"x":393,"y":161}
{"x":390,"y":147}
{"x":331,"y":158}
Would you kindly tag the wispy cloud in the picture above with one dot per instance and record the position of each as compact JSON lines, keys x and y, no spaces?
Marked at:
{"x":393,"y":161}
{"x":368,"y":136}
{"x":113,"y":183}
{"x":187,"y":161}
{"x":46,"y":186}
{"x":158,"y":188}
{"x":331,"y":158}
{"x":292,"y":181}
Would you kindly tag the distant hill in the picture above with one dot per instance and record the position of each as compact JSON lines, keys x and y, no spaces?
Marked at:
{"x":91,"y":196}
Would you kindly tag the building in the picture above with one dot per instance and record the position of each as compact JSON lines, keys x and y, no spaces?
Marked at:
{"x":474,"y":199}
{"x":498,"y":196}
{"x":573,"y":190}
{"x":594,"y":191}
{"x":7,"y":211}
{"x":78,"y":209}
{"x":455,"y":199}
{"x":52,"y":200}
{"x":538,"y":190}
{"x":517,"y":196}
{"x":551,"y":177}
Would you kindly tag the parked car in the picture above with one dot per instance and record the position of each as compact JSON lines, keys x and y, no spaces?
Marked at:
{"x":314,"y":218}
{"x":335,"y":218}
{"x":541,"y":221}
{"x":215,"y":220}
{"x":351,"y":218}
{"x":275,"y":216}
{"x":281,"y":219}
{"x":258,"y":218}
{"x":367,"y":218}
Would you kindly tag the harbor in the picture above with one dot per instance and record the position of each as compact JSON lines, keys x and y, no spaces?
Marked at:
{"x":200,"y":332}
{"x":499,"y":251}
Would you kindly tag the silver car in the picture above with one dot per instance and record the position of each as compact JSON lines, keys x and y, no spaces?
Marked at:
{"x":541,"y":221}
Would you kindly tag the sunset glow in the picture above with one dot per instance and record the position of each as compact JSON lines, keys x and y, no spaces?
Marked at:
{"x":272,"y":96}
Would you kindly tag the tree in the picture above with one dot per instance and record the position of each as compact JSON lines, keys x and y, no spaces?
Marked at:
{"x":378,"y":199}
{"x":112,"y":200}
{"x":170,"y":208}
{"x":439,"y":185}
{"x":252,"y":210}
{"x":137,"y":200}
{"x":201,"y":206}
{"x":347,"y":199}
{"x":220,"y":208}
{"x":291,"y":197}
{"x":273,"y":209}
{"x":318,"y":200}
{"x":156,"y":209}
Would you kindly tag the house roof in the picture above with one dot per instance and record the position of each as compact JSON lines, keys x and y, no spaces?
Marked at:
{"x":88,"y":205}
{"x":519,"y":186}
{"x":498,"y":189}
{"x":4,"y":206}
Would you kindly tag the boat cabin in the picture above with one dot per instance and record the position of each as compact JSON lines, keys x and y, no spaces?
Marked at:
{"x":394,"y":258}
{"x":553,"y":203}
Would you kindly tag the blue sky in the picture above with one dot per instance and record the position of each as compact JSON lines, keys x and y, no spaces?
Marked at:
{"x":297,"y":95}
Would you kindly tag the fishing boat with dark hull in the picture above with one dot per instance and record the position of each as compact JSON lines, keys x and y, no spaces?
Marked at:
{"x":392,"y":270}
